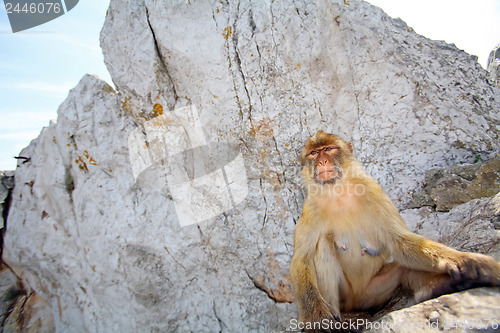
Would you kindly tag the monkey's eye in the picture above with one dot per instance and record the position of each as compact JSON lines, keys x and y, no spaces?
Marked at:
{"x":312,"y":154}
{"x":330,"y":148}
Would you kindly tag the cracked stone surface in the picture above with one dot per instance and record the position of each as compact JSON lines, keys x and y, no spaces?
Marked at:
{"x":449,"y":187}
{"x":470,"y":227}
{"x":474,"y":310}
{"x":6,"y":186}
{"x":494,"y":65}
{"x":106,"y":248}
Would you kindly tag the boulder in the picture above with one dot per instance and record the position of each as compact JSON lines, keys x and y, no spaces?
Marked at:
{"x":448,"y":187}
{"x":494,"y":65}
{"x":469,"y":311}
{"x":169,"y":203}
{"x":6,"y":186}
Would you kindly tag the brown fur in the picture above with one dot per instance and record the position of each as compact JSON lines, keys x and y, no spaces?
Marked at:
{"x":352,"y":249}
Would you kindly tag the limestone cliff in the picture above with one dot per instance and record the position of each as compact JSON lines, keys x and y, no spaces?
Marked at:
{"x":169,"y":204}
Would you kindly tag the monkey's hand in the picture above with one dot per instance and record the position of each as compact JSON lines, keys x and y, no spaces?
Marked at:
{"x":472,"y":268}
{"x":319,"y":318}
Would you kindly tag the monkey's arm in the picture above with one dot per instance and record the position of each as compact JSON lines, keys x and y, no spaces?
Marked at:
{"x":312,"y":306}
{"x":419,"y":253}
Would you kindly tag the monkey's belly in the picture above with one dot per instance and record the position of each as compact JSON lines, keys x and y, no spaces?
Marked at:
{"x":352,"y":262}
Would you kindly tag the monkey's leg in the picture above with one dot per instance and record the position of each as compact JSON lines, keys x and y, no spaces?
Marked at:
{"x":381,"y":287}
{"x":427,"y":285}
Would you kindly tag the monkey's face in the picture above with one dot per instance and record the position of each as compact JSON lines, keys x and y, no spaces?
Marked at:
{"x":325,"y":166}
{"x":323,"y":157}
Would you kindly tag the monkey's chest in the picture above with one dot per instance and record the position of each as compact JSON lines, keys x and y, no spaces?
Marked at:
{"x":355,"y":245}
{"x":352,"y":240}
{"x":355,"y":254}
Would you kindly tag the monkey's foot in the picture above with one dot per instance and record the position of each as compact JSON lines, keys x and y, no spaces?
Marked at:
{"x":474,"y":268}
{"x":320,"y":319}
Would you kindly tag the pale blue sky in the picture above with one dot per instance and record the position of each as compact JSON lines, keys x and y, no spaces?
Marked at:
{"x":40,"y":65}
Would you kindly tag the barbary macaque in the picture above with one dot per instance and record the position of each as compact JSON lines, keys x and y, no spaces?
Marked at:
{"x":352,"y":249}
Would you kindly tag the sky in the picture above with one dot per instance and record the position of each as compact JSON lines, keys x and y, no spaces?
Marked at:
{"x":473,"y":26}
{"x":40,"y":65}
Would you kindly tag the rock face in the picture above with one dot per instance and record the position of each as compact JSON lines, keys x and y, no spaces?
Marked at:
{"x":213,"y":104}
{"x":472,"y":227}
{"x":448,"y":187}
{"x":6,"y":186}
{"x":494,"y":66}
{"x":469,"y":311}
{"x":408,"y":103}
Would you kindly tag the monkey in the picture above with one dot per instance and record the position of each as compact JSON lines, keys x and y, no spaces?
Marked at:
{"x":352,"y":249}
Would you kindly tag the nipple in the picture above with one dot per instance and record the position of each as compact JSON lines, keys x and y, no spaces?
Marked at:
{"x":367,"y":248}
{"x":341,"y":244}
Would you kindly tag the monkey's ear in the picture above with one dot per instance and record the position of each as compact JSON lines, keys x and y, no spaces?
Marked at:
{"x":349,"y":146}
{"x":302,"y":157}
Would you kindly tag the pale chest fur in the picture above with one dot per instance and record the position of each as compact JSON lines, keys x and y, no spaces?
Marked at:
{"x":358,"y":239}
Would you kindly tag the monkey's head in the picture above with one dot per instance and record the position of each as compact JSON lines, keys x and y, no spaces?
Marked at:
{"x":325,"y":158}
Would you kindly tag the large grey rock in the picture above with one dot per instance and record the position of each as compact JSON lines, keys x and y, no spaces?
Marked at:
{"x":494,"y":65}
{"x":471,"y":227}
{"x":408,"y":103}
{"x":448,"y":187}
{"x":469,"y":311}
{"x":6,"y":186}
{"x":229,"y":90}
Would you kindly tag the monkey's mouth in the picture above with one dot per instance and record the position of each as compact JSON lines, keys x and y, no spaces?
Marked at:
{"x":327,"y":174}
